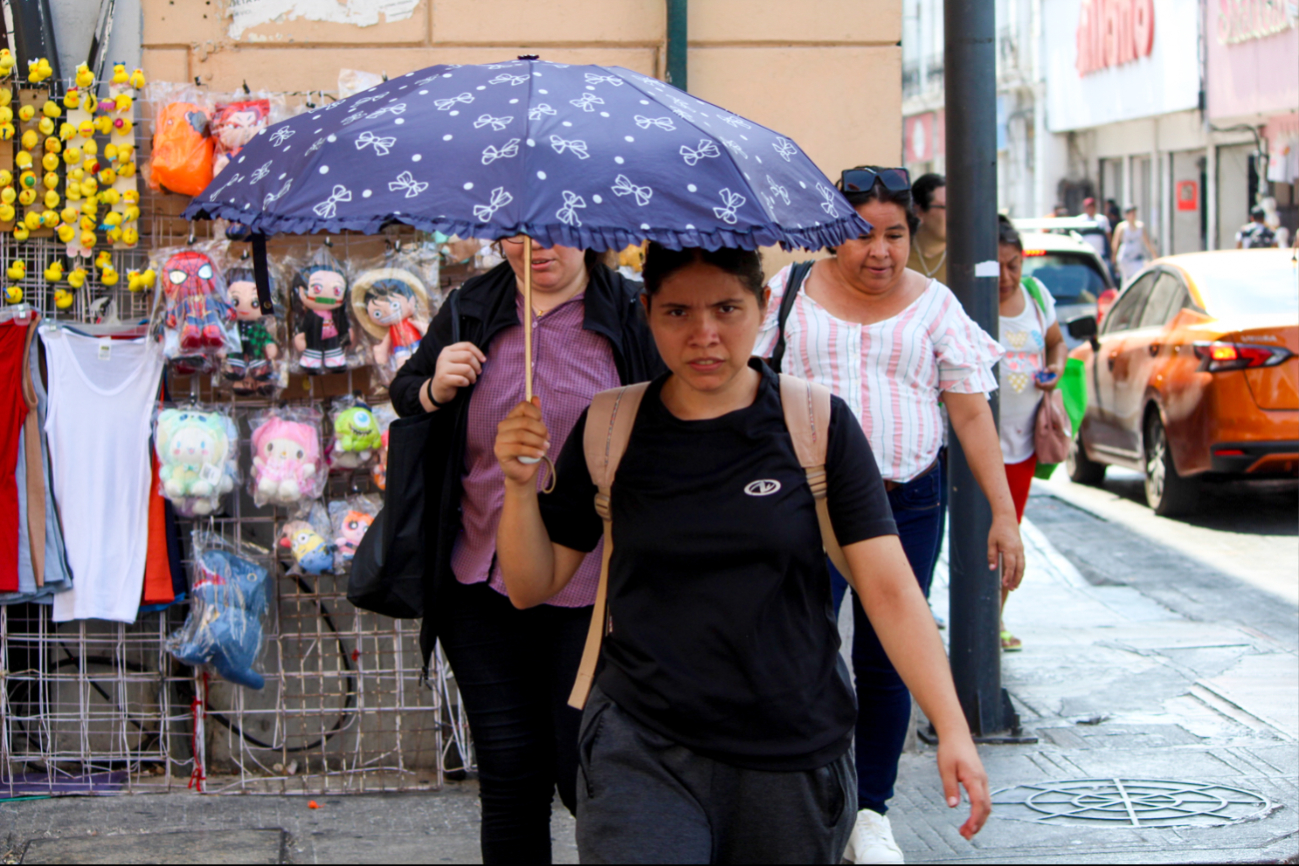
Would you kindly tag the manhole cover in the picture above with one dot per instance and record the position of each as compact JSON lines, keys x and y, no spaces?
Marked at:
{"x":1129,"y":803}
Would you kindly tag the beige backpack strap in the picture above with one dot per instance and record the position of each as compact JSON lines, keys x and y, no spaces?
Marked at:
{"x":807,"y":416}
{"x":608,"y":430}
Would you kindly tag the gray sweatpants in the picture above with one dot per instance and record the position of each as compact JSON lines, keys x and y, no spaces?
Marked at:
{"x":642,"y":798}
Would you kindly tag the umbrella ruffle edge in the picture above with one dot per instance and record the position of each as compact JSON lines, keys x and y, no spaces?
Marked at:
{"x":830,"y":234}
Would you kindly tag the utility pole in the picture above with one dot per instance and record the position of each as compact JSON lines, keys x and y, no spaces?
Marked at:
{"x":971,"y":100}
{"x":678,"y":34}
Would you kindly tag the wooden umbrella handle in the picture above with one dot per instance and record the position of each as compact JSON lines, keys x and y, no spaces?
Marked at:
{"x":527,"y":330}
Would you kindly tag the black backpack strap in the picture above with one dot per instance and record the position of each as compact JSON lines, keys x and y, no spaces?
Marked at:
{"x":797,"y":274}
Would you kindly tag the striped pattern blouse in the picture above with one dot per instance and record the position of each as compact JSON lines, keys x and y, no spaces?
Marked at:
{"x":891,"y":373}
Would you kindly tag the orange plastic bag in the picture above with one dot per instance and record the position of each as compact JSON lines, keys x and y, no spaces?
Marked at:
{"x":182,"y":148}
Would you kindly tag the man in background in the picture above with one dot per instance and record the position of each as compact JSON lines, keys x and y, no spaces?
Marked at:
{"x":1255,"y":234}
{"x":929,"y":246}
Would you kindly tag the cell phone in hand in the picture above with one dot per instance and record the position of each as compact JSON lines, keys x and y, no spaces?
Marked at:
{"x":1045,"y":377}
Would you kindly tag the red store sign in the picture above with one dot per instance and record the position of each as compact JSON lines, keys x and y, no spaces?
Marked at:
{"x":1114,"y":32}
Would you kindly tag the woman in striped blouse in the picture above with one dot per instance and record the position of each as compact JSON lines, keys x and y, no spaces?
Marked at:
{"x":893,"y":344}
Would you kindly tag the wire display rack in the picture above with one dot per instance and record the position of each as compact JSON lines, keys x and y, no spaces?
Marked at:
{"x":96,"y":707}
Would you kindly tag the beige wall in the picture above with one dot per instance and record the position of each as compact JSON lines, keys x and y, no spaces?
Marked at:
{"x":827,"y":73}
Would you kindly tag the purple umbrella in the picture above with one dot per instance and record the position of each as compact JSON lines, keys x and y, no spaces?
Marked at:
{"x":594,"y":157}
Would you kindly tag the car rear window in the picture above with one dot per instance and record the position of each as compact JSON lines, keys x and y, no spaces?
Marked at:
{"x":1247,"y":284}
{"x":1071,"y":278}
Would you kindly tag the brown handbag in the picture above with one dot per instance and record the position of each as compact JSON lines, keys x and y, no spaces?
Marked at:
{"x":1051,"y":427}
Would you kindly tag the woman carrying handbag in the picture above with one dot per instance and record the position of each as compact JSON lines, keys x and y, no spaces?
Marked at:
{"x":1031,"y":410}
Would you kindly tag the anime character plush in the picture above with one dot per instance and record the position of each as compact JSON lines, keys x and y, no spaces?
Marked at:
{"x":196,"y":306}
{"x":324,"y":331}
{"x":224,"y":628}
{"x":234,"y":124}
{"x":286,"y":457}
{"x":391,"y":304}
{"x":310,"y":551}
{"x":196,"y":457}
{"x":356,"y":437}
{"x":250,"y":367}
{"x":351,"y":530}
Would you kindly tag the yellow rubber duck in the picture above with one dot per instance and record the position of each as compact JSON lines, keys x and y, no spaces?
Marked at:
{"x":69,"y":215}
{"x":6,"y":114}
{"x":49,"y":218}
{"x":137,"y":79}
{"x":72,"y":155}
{"x":17,"y":270}
{"x":51,"y":108}
{"x":7,"y":212}
{"x":32,"y":220}
{"x":149,"y":278}
{"x":67,"y":131}
{"x":6,"y":96}
{"x":53,"y":145}
{"x":107,"y":177}
{"x":130,"y":236}
{"x":26,"y":113}
{"x":88,"y":239}
{"x":104,"y":259}
{"x":6,"y":62}
{"x":8,"y":195}
{"x":51,"y":199}
{"x":27,"y":180}
{"x":39,"y":70}
{"x":123,"y":125}
{"x":67,"y":233}
{"x":112,"y":219}
{"x":45,"y":126}
{"x":20,"y":232}
{"x":90,"y":148}
{"x":119,"y":74}
{"x":14,"y":295}
{"x":62,"y":299}
{"x":126,"y":169}
{"x":130,"y":214}
{"x":103,"y":124}
{"x":85,"y":77}
{"x":125,"y":152}
{"x":71,"y":99}
{"x":23,"y":160}
{"x":77,"y":277}
{"x":54,"y":273}
{"x":50,"y":179}
{"x":89,"y":186}
{"x":133,"y":282}
{"x":109,"y":276}
{"x":6,"y":177}
{"x":27,"y":197}
{"x":86,"y":129}
{"x":30,"y":139}
{"x":123,"y":102}
{"x":110,"y":196}
{"x":87,"y":224}
{"x":50,"y":161}
{"x":7,"y":131}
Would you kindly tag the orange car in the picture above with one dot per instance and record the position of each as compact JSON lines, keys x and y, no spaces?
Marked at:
{"x":1194,"y":376}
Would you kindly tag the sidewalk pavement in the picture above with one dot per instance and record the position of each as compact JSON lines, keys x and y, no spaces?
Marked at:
{"x":1140,"y":665}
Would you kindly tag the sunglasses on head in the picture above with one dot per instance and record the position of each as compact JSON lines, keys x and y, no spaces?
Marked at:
{"x":863,"y":179}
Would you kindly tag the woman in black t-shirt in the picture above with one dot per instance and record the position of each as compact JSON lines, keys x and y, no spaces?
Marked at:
{"x":720,"y":727}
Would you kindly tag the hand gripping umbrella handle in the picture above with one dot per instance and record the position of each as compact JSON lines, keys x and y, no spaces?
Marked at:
{"x":527,"y":350}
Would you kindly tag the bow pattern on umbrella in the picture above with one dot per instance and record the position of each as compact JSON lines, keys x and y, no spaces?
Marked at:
{"x":500,"y":198}
{"x":623,"y":186}
{"x":329,"y":206}
{"x":576,"y":146}
{"x":282,"y":135}
{"x":785,"y":148}
{"x":663,"y":123}
{"x":567,"y":214}
{"x":406,"y":181}
{"x":587,"y":102}
{"x":732,"y":202}
{"x":382,"y":144}
{"x":706,"y":149}
{"x":496,"y":123}
{"x":778,"y":190}
{"x":451,"y":101}
{"x":539,"y":110}
{"x":508,"y":150}
{"x":828,"y":204}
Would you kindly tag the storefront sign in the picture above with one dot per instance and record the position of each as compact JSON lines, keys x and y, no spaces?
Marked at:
{"x":1188,"y":195}
{"x":1243,"y":20}
{"x":1113,"y":60}
{"x":1114,"y":32}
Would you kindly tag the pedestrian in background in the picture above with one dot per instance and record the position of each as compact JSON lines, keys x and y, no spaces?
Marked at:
{"x":893,"y":343}
{"x":1100,"y":237}
{"x":720,"y":728}
{"x":514,"y":668}
{"x":929,"y":247}
{"x":1131,"y":245}
{"x":1255,"y":234}
{"x":1032,"y":366}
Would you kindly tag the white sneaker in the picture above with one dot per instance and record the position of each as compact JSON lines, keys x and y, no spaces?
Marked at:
{"x":872,"y":840}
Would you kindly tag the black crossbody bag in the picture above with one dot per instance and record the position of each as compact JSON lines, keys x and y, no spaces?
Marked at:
{"x":797,"y":274}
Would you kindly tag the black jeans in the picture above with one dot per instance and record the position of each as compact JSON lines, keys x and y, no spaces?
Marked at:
{"x":643,"y":798}
{"x":884,"y":704}
{"x":515,"y":669}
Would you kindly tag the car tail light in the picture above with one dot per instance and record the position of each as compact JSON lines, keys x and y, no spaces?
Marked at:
{"x":1028,"y":253}
{"x":1219,"y":357}
{"x":1103,"y":304}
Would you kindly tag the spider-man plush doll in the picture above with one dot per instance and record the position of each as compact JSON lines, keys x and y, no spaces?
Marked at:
{"x":196,"y":305}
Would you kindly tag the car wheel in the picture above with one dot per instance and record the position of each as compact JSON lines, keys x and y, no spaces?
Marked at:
{"x":1081,"y":468}
{"x":1167,"y":492}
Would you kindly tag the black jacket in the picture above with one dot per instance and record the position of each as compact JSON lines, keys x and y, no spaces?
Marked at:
{"x":476,"y":313}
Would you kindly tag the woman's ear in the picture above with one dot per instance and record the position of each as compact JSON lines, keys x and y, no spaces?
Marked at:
{"x":645,"y":301}
{"x":766,"y":299}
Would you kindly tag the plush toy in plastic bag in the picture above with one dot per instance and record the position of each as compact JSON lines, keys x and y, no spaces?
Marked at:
{"x":198,"y":454}
{"x":234,"y":124}
{"x":392,"y":306}
{"x":197,"y":319}
{"x":229,"y":599}
{"x":181,"y":159}
{"x":356,"y":435}
{"x":320,"y":290}
{"x":351,"y":518}
{"x":384,"y":414}
{"x":252,"y":369}
{"x":306,"y":539}
{"x":286,"y":456}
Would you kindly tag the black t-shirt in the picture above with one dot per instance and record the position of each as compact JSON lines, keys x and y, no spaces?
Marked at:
{"x":723,"y":638}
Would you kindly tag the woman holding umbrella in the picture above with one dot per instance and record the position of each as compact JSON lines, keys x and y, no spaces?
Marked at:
{"x":894,"y":344}
{"x":514,"y":668}
{"x":721,"y":723}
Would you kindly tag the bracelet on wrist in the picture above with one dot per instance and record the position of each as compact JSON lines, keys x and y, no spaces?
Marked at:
{"x":434,"y":400}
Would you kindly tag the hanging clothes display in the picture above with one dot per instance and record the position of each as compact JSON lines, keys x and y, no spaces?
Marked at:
{"x":39,"y":577}
{"x":102,"y":393}
{"x":13,"y":413}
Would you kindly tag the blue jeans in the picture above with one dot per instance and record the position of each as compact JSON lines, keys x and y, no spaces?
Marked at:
{"x":883,"y":702}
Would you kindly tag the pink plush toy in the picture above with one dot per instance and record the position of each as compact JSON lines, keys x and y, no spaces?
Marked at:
{"x":286,"y":457}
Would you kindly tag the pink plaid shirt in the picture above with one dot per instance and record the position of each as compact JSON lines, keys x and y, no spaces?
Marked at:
{"x":569,"y":366}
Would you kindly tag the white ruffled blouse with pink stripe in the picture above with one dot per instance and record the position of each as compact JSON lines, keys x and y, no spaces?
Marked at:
{"x":891,"y":373}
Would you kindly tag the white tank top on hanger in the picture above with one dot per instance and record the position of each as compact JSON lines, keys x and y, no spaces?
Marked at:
{"x":101,"y":400}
